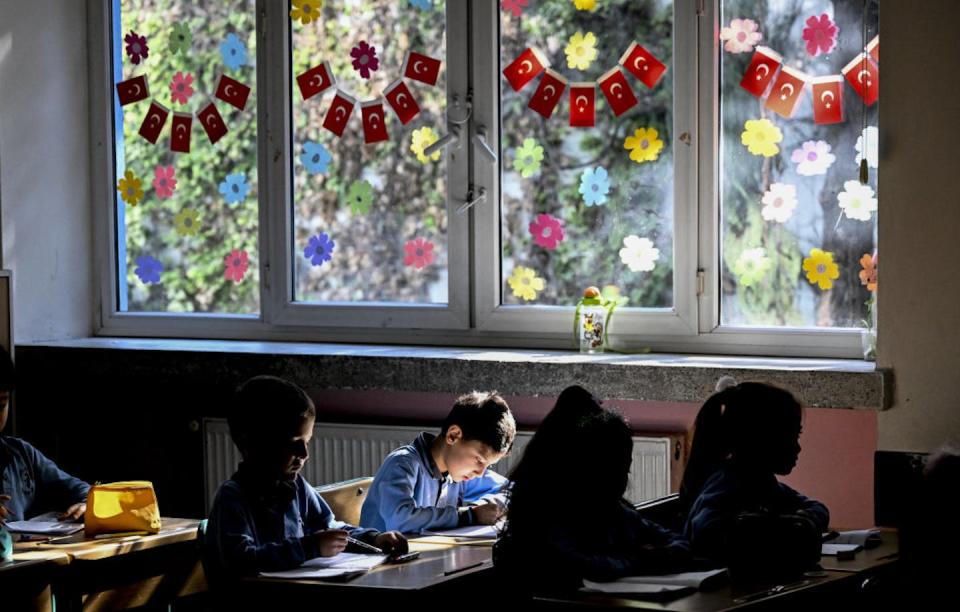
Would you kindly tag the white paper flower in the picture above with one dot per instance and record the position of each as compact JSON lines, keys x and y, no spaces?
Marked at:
{"x":779,"y":202}
{"x":813,"y":157}
{"x":740,"y":36}
{"x":871,"y":135}
{"x":857,"y":201}
{"x":639,"y":254}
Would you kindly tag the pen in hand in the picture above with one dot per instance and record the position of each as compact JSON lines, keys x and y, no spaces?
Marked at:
{"x":365,"y":546}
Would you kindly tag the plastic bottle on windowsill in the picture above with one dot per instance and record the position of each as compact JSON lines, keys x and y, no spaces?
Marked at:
{"x":591,"y":321}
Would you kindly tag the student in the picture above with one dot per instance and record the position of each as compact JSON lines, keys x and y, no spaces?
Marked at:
{"x":266,"y":517}
{"x":30,"y":483}
{"x":739,"y":514}
{"x":442,"y":482}
{"x":567,"y":520}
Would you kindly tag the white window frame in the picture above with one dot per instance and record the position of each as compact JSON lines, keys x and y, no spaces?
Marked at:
{"x":474,"y":314}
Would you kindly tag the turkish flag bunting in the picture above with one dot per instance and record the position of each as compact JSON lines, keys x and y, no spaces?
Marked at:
{"x":863,"y":74}
{"x":786,"y":91}
{"x":421,"y":68}
{"x":212,"y":122}
{"x":133,"y":90}
{"x":642,"y":64}
{"x":374,"y":121}
{"x":583,"y":104}
{"x":154,"y":121}
{"x":617,"y":91}
{"x":548,"y":93}
{"x":525,"y":68}
{"x":763,"y":67}
{"x":402,"y":101}
{"x":339,"y":113}
{"x":232,"y":92}
{"x":828,"y":99}
{"x":874,"y":48}
{"x":180,"y":132}
{"x":316,"y":80}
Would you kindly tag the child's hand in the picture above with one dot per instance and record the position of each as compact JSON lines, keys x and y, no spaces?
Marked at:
{"x":391,"y":542}
{"x":487,"y":513}
{"x":74,"y":512}
{"x":4,"y":513}
{"x":331,"y":542}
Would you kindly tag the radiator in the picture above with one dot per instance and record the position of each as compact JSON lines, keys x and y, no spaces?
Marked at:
{"x":343,"y":451}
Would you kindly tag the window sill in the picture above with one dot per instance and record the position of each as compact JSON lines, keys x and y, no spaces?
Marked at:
{"x":823,"y":383}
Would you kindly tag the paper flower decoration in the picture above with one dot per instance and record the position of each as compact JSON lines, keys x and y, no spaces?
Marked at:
{"x":319,"y":249}
{"x":868,"y":275}
{"x":639,"y":254}
{"x":234,"y":188}
{"x":315,"y":157}
{"x":869,"y":141}
{"x":233,"y":52}
{"x":423,"y":5}
{"x":779,"y":202}
{"x":581,"y":50}
{"x":857,"y":201}
{"x":420,"y":140}
{"x":180,"y":87}
{"x":305,"y":10}
{"x":187,"y":222}
{"x":761,"y":136}
{"x":164,"y":182}
{"x":364,"y":59}
{"x":129,"y":188}
{"x":821,"y":269}
{"x":360,"y":197}
{"x":644,"y":145}
{"x":594,"y":186}
{"x":528,"y":159}
{"x":820,"y":35}
{"x":524,"y":283}
{"x":137,"y":48}
{"x":585,"y":5}
{"x":812,"y":158}
{"x":752,"y":266}
{"x":547,"y":231}
{"x":418,"y":253}
{"x":514,"y":6}
{"x":148,"y":269}
{"x":235,"y":265}
{"x":740,"y":36}
{"x":180,"y":39}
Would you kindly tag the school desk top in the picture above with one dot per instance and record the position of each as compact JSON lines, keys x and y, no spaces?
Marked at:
{"x":80,"y":548}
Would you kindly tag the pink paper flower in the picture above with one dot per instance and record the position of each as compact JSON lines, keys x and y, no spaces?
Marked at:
{"x":820,"y":34}
{"x":547,"y":231}
{"x":136,"y":46}
{"x":514,"y":6}
{"x":419,"y":253}
{"x":236,"y":264}
{"x":364,"y":59}
{"x":813,"y":157}
{"x":164,"y":182}
{"x":741,"y":36}
{"x":180,"y":87}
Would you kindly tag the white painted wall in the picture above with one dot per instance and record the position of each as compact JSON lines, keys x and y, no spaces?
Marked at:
{"x":44,"y":186}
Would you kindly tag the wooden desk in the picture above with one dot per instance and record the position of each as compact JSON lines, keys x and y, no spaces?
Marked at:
{"x":26,"y":583}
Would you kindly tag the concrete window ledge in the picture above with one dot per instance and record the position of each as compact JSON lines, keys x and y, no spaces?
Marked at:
{"x":825,"y":383}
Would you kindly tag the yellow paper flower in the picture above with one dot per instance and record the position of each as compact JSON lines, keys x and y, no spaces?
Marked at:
{"x":581,"y":50}
{"x":821,"y":269}
{"x":644,"y":145}
{"x":129,"y":188}
{"x":585,"y":5}
{"x":187,"y":222}
{"x":525,"y":283}
{"x":420,"y":140}
{"x":761,"y":136}
{"x":306,"y":10}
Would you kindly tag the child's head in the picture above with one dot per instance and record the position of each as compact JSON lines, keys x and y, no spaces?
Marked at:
{"x":8,"y":381}
{"x":604,"y":445}
{"x":271,"y":423}
{"x":477,"y":433}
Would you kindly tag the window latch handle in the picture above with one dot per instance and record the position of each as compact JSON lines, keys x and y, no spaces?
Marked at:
{"x":482,"y":146}
{"x":473,"y":198}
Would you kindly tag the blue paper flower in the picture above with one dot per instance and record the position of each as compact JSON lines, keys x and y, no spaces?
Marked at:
{"x":148,"y":269}
{"x":320,"y":249}
{"x":235,"y":188}
{"x":423,"y":5}
{"x":594,"y":186}
{"x":233,"y":51}
{"x":315,"y":157}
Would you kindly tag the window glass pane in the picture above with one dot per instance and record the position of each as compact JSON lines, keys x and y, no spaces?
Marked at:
{"x":186,"y":220}
{"x":605,"y":188}
{"x":370,"y":222}
{"x":798,"y":228}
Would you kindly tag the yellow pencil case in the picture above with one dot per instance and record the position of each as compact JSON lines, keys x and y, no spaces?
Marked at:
{"x":122,"y":506}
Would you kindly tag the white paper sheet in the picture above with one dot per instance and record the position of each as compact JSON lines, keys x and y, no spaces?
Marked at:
{"x":337,"y":566}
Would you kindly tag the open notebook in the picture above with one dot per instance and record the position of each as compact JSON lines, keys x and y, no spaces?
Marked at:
{"x":482,"y":532}
{"x":343,"y":565}
{"x":673,"y":584}
{"x":850,"y":542}
{"x":45,"y":524}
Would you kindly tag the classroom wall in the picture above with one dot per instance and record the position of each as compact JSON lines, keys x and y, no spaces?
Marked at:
{"x":919,"y":296}
{"x":44,"y":185}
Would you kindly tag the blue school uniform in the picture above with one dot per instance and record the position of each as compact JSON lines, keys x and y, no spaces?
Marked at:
{"x":410,"y":494}
{"x":257,"y":527}
{"x":34,"y":483}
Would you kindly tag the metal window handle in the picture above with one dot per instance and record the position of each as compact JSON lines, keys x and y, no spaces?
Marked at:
{"x":473,"y":198}
{"x":481,"y":144}
{"x":450,"y":138}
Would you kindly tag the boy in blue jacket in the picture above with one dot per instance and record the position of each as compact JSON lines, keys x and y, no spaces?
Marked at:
{"x":442,"y":482}
{"x":266,"y":517}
